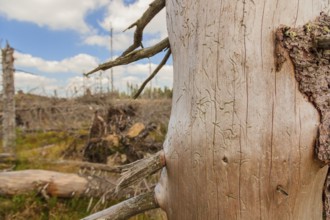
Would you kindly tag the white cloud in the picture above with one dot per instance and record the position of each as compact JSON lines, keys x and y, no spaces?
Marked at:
{"x":134,"y":74}
{"x":55,"y":14}
{"x":34,"y":83}
{"x":77,"y":64}
{"x":120,"y":41}
{"x":121,"y":16}
{"x":64,"y":14}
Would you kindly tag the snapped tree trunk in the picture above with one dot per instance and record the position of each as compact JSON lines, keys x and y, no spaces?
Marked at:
{"x":241,"y":136}
{"x":8,"y":117}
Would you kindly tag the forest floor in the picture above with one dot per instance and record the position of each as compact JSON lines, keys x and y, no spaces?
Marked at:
{"x":54,"y":129}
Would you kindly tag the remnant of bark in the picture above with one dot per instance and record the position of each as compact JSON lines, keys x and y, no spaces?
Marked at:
{"x":308,"y":48}
{"x":311,"y":61}
{"x":127,"y":208}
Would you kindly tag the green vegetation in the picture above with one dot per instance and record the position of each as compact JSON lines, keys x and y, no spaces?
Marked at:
{"x":30,"y":148}
{"x":35,"y":149}
{"x":33,"y":206}
{"x":64,"y":135}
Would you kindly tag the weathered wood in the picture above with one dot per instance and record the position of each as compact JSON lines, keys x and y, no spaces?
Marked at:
{"x":57,"y":184}
{"x":133,"y":56}
{"x":8,"y":100}
{"x":53,"y":183}
{"x":127,"y":208}
{"x":141,"y":169}
{"x":240,"y":143}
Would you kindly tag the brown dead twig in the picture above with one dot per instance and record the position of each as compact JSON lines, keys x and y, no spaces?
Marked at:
{"x":154,"y":73}
{"x":131,"y":55}
{"x":155,"y":7}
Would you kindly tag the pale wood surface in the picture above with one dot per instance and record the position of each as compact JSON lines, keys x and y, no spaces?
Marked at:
{"x":241,"y":137}
{"x":53,"y":183}
{"x":127,"y":208}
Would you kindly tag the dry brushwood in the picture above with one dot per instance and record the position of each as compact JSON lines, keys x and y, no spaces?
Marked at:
{"x":132,"y":173}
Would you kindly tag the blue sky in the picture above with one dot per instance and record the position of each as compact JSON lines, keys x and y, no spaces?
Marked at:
{"x":55,"y":41}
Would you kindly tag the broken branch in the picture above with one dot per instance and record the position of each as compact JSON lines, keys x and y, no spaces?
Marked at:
{"x":127,"y":208}
{"x":133,"y":56}
{"x":154,"y":8}
{"x":167,"y":55}
{"x":140,"y":170}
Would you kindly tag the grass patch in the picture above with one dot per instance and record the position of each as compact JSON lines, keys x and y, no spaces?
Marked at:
{"x":32,"y":206}
{"x":35,"y":149}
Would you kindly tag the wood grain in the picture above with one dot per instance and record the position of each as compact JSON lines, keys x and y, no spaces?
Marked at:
{"x":239,"y":131}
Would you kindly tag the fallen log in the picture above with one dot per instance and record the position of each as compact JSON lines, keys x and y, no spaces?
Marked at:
{"x":50,"y":183}
{"x":91,"y":184}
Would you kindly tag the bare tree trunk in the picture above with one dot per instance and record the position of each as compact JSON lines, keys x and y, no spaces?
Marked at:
{"x":241,"y":136}
{"x":9,"y":136}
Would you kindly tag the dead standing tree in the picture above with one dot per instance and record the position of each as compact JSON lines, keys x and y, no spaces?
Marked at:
{"x":8,"y":117}
{"x":244,"y":129}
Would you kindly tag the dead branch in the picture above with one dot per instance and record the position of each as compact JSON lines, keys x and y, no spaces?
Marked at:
{"x":140,"y":170}
{"x":127,"y":208}
{"x":154,"y":8}
{"x":167,"y":55}
{"x":133,"y":56}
